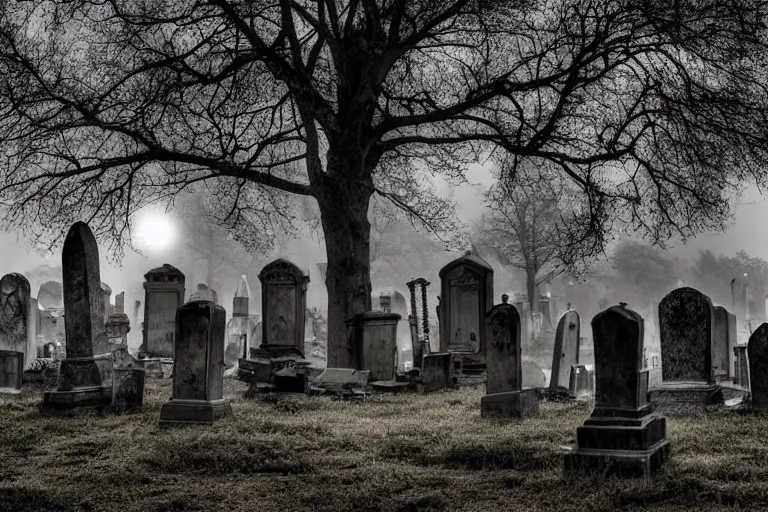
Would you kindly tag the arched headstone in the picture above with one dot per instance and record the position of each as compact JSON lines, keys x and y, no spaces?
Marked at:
{"x":757,"y":355}
{"x":566,"y":350}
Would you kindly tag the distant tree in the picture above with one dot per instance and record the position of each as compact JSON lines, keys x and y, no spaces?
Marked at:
{"x":712,"y":274}
{"x":642,"y":274}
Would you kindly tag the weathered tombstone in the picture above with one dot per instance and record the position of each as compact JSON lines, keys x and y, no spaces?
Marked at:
{"x":118,"y":327}
{"x":127,"y":382}
{"x":721,"y":351}
{"x":284,"y":304}
{"x":120,"y":303}
{"x":239,"y":325}
{"x":757,"y":350}
{"x":566,"y":351}
{"x":374,"y":343}
{"x":82,"y":372}
{"x":742,"y":377}
{"x":11,"y":371}
{"x":107,"y":293}
{"x":198,"y":376}
{"x":688,"y":382}
{"x":623,"y":435}
{"x":504,"y":393}
{"x":17,"y":317}
{"x":163,"y":294}
{"x":435,"y":372}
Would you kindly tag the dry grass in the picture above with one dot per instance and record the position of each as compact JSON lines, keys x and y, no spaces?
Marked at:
{"x":394,"y":453}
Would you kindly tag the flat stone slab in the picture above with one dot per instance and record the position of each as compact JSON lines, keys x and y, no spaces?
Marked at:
{"x":510,"y":404}
{"x":56,"y":400}
{"x":194,"y":412}
{"x":685,"y":398}
{"x":390,"y":386}
{"x":623,"y":463}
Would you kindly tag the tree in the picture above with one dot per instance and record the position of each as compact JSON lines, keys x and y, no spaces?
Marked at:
{"x":641,"y":274}
{"x":655,"y":112}
{"x":712,"y":274}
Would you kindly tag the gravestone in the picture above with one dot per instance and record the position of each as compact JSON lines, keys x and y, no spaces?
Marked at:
{"x":566,"y":351}
{"x":163,"y":294}
{"x":18,"y":317}
{"x":239,"y":325}
{"x":50,"y":323}
{"x":11,"y":371}
{"x":757,"y":350}
{"x":505,"y":396}
{"x":435,"y":372}
{"x":88,"y":360}
{"x":722,"y":350}
{"x":733,"y":340}
{"x":374,"y":343}
{"x":127,"y":382}
{"x":686,"y":330}
{"x":198,"y":376}
{"x":742,"y":377}
{"x":466,"y":292}
{"x":284,"y":304}
{"x":107,"y":293}
{"x":623,"y":435}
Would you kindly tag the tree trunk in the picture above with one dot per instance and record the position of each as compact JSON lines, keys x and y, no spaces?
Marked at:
{"x":344,"y":215}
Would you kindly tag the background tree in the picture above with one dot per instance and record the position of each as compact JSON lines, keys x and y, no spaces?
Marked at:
{"x":655,"y":112}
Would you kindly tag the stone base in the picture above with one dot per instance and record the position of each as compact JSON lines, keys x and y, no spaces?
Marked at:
{"x":622,"y":433}
{"x":194,"y":412}
{"x":512,"y":404}
{"x":84,"y":397}
{"x":585,"y":461}
{"x":685,"y":398}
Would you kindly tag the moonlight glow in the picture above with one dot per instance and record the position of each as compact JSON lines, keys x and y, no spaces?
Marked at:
{"x":155,"y":230}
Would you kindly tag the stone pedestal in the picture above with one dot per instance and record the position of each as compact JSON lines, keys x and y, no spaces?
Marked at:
{"x":685,"y":398}
{"x":511,"y":404}
{"x":374,"y":343}
{"x":77,"y":384}
{"x":11,"y":371}
{"x":198,"y":377}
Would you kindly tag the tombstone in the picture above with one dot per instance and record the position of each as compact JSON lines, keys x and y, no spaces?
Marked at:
{"x":88,"y":360}
{"x":466,"y":291}
{"x":566,"y":351}
{"x":686,"y":330}
{"x":740,"y":293}
{"x":284,"y":304}
{"x":18,"y":317}
{"x":340,"y":379}
{"x":623,"y":435}
{"x":732,"y":342}
{"x":505,"y":396}
{"x":757,"y":350}
{"x":118,"y":327}
{"x":127,"y":382}
{"x":120,"y":303}
{"x":435,"y":372}
{"x":238,"y":325}
{"x":11,"y":371}
{"x":163,"y":294}
{"x":374,"y":343}
{"x":721,"y":350}
{"x":107,"y":293}
{"x":198,"y":376}
{"x":743,"y":377}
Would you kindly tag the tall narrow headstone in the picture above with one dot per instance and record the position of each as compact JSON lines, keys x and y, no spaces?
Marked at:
{"x":238,"y":326}
{"x":107,"y":293}
{"x":374,"y":343}
{"x":504,"y":393}
{"x":51,"y":332}
{"x":284,"y":304}
{"x":623,"y":435}
{"x":757,"y":351}
{"x":88,"y":359}
{"x":686,"y":320}
{"x":566,"y":351}
{"x":163,"y":294}
{"x":722,"y":350}
{"x":198,"y":375}
{"x":120,"y":303}
{"x":17,"y":317}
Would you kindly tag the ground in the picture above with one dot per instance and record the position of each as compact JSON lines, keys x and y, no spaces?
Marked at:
{"x":392,"y":453}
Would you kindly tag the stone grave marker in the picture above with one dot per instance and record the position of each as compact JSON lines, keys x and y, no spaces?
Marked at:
{"x":238,"y":326}
{"x":18,"y":317}
{"x":436,"y":372}
{"x":623,"y":435}
{"x":566,"y":351}
{"x":722,"y":351}
{"x":581,"y":381}
{"x":757,"y":350}
{"x":374,"y":343}
{"x":284,"y":304}
{"x":742,"y":378}
{"x":505,"y":396}
{"x":11,"y":371}
{"x":127,"y":382}
{"x":198,"y":377}
{"x":163,"y":294}
{"x":88,"y":361}
{"x":107,"y":293}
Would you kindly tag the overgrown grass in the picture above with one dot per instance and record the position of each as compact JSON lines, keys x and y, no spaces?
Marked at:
{"x":392,"y":453}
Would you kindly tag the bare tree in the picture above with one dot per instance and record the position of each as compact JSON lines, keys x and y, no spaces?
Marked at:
{"x":653,"y":110}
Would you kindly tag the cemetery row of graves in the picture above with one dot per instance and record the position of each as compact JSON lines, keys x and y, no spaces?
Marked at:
{"x":702,"y":362}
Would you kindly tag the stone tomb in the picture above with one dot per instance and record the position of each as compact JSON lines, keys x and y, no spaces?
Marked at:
{"x":374,"y":343}
{"x":623,"y":435}
{"x":688,"y":378}
{"x":566,"y":351}
{"x":198,"y":377}
{"x":757,"y":349}
{"x":84,"y":372}
{"x":18,"y":317}
{"x":11,"y":371}
{"x":505,"y":396}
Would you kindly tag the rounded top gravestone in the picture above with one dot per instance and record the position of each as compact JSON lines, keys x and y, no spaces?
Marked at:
{"x":685,"y":329}
{"x":566,"y":350}
{"x":503,"y":352}
{"x":757,"y":355}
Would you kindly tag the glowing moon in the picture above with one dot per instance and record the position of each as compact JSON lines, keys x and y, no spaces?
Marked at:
{"x":155,"y":230}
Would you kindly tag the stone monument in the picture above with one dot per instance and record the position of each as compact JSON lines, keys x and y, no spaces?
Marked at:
{"x":757,"y":350}
{"x":374,"y":343}
{"x":566,"y":351}
{"x":18,"y":317}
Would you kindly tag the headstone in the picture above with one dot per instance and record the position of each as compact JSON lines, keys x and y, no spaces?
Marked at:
{"x":757,"y":350}
{"x":120,"y":303}
{"x":88,"y":362}
{"x":505,"y":396}
{"x":107,"y":293}
{"x":127,"y":382}
{"x":623,"y":435}
{"x":566,"y":351}
{"x":732,"y":342}
{"x":686,"y":330}
{"x":238,"y":326}
{"x":11,"y":371}
{"x":163,"y":294}
{"x":17,"y":317}
{"x":118,"y":327}
{"x":374,"y":343}
{"x":284,"y":304}
{"x":340,"y":379}
{"x":722,"y":350}
{"x":436,"y":372}
{"x":743,"y":377}
{"x":198,"y":376}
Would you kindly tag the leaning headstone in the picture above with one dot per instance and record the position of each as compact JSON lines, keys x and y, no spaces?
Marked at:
{"x":83,"y":370}
{"x":757,"y":350}
{"x":11,"y":371}
{"x":688,"y":380}
{"x":505,"y":396}
{"x":566,"y":351}
{"x":127,"y":382}
{"x":198,"y":376}
{"x":623,"y":435}
{"x":17,"y":317}
{"x":341,"y":379}
{"x":120,"y":303}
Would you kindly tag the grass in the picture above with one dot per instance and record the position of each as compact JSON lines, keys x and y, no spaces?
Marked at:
{"x":395,"y":453}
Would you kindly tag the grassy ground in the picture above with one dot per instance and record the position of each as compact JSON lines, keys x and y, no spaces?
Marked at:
{"x":393,"y":453}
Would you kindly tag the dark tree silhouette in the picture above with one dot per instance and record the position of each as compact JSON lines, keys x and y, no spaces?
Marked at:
{"x":655,"y":110}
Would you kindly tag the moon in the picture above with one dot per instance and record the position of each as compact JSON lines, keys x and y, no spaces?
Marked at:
{"x":155,"y":230}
